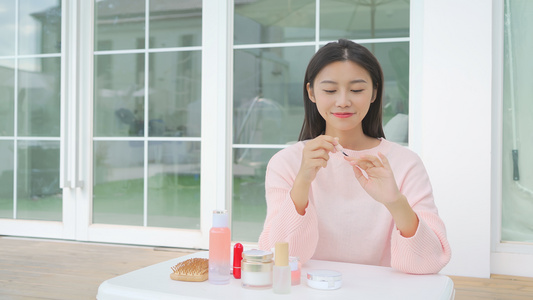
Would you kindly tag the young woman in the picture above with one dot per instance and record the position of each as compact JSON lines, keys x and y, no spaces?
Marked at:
{"x":369,"y":203}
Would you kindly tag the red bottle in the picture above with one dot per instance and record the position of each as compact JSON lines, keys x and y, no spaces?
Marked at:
{"x":237,"y":258}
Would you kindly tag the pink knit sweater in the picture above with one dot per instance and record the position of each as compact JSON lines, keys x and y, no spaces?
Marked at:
{"x":343,"y":223}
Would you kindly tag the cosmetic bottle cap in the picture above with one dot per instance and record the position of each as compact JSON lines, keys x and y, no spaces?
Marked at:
{"x":282,"y":254}
{"x":220,"y":218}
{"x":257,"y":255}
{"x":293,"y":262}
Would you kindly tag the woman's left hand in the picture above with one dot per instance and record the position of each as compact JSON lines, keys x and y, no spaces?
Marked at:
{"x":380,"y":183}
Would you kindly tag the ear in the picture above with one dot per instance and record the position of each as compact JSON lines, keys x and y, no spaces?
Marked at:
{"x":310,"y":92}
{"x":374,"y":95}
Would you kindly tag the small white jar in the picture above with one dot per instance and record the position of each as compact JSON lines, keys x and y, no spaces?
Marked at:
{"x":256,"y":269}
{"x":324,"y":279}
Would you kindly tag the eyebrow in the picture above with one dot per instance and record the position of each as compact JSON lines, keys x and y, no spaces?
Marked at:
{"x":353,"y":81}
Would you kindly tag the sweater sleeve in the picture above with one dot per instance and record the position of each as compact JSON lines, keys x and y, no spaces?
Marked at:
{"x":428,"y":250}
{"x":283,"y":222}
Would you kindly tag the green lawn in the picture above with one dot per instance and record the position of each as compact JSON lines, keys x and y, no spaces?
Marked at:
{"x":173,"y":201}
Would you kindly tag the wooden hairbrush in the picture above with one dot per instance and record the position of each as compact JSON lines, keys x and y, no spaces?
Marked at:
{"x":193,"y":269}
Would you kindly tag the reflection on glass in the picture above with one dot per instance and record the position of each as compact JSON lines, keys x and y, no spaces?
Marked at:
{"x":175,"y":94}
{"x":39,"y":26}
{"x":517,"y":109}
{"x":7,"y":27}
{"x":6,"y":179}
{"x":39,"y":96}
{"x":175,"y":23}
{"x":174,"y":184}
{"x":394,"y":60}
{"x":119,"y":24}
{"x":267,"y":21}
{"x":362,"y":19}
{"x":38,"y":194}
{"x":7,"y":96}
{"x":119,"y":95}
{"x":249,"y":204}
{"x":268,"y":87}
{"x":118,"y":182}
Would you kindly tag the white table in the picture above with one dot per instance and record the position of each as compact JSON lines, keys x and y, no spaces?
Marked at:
{"x":358,"y":282}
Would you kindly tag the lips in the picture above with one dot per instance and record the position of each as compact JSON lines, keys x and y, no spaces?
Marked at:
{"x":342,"y":115}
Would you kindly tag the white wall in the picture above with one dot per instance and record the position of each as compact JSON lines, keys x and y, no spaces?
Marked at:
{"x":450,"y":124}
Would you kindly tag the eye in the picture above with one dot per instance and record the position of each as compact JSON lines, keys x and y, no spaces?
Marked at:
{"x":330,"y":91}
{"x":357,"y":91}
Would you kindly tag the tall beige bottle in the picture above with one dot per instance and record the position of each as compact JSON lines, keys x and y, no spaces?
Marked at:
{"x":281,"y":281}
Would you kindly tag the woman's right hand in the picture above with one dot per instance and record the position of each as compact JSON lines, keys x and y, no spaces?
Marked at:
{"x":315,"y":156}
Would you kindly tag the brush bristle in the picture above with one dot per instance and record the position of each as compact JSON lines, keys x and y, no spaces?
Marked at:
{"x":193,"y":269}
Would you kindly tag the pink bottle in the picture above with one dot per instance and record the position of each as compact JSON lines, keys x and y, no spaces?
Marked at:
{"x":219,"y":249}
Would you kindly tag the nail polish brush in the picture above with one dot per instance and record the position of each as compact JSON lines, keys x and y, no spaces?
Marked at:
{"x":341,"y":149}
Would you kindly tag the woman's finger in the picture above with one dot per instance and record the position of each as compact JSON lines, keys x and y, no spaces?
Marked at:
{"x":374,"y":160}
{"x":363,"y":164}
{"x":384,"y":160}
{"x":322,"y":142}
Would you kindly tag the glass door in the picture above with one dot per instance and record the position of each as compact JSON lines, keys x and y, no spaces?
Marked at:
{"x":517,"y":155}
{"x":273,"y":42}
{"x":146,"y":123}
{"x":31,"y":62}
{"x":130,"y":121}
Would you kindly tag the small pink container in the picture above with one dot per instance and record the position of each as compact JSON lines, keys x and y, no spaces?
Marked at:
{"x":296,"y":267}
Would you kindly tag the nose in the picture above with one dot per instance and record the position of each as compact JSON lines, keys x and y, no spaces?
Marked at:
{"x":343,"y":100}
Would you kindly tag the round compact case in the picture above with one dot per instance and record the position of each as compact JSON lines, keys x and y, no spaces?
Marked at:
{"x":324,"y":279}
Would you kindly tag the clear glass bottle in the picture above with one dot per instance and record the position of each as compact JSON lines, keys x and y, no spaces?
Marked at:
{"x":219,"y":249}
{"x":282,"y":271}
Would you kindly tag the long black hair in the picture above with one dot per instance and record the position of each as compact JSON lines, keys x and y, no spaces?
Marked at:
{"x":343,"y":50}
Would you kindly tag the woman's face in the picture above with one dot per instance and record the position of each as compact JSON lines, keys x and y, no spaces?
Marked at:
{"x":342,"y":91}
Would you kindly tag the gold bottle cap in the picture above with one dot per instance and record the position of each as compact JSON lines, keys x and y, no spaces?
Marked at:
{"x":282,"y":254}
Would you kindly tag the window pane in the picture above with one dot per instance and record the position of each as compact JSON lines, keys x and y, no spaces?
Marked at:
{"x":175,"y":23}
{"x":7,"y":27}
{"x":118,"y":183}
{"x":249,"y":204}
{"x":6,"y":179}
{"x":267,"y":21}
{"x":394,"y":60}
{"x":174,"y":184}
{"x":175,"y":94}
{"x":38,"y":194}
{"x":7,"y":96}
{"x":119,"y":95}
{"x":168,"y":107}
{"x":119,"y":24}
{"x":39,"y":96}
{"x":268,"y":87}
{"x":517,"y":174}
{"x":363,"y":19}
{"x":39,"y":26}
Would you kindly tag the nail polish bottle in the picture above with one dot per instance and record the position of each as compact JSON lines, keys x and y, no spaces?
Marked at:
{"x":282,"y":271}
{"x":296,"y":266}
{"x":219,"y":249}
